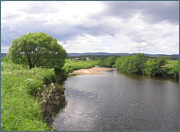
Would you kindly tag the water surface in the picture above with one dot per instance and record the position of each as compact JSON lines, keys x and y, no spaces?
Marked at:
{"x":119,"y":102}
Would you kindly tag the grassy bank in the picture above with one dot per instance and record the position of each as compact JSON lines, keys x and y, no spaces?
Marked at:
{"x":19,"y":109}
{"x":72,"y":65}
{"x":76,"y":65}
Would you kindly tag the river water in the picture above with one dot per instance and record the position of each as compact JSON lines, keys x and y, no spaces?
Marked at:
{"x":117,"y":101}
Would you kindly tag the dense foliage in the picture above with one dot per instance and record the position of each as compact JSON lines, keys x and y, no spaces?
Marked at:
{"x":37,"y":49}
{"x":141,"y":65}
{"x":109,"y":62}
{"x":131,"y":64}
{"x":155,"y":66}
{"x":173,"y":69}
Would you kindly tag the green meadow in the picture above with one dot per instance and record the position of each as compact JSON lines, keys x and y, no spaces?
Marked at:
{"x":72,"y":65}
{"x":20,"y":110}
{"x":20,"y":87}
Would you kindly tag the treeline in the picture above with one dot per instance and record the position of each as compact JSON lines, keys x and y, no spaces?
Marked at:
{"x":103,"y":57}
{"x":140,"y":64}
{"x":92,"y":57}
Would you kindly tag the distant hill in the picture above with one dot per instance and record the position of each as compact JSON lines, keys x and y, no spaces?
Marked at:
{"x":119,"y":54}
{"x":97,"y":53}
{"x":3,"y":55}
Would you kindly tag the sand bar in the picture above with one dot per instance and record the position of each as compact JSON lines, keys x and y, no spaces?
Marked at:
{"x":90,"y":71}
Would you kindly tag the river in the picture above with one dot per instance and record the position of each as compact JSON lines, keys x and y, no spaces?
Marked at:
{"x":117,"y":101}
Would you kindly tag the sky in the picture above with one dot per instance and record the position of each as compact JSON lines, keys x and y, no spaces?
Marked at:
{"x":96,"y":26}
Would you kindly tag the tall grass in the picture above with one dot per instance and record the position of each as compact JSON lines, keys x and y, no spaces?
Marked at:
{"x":20,"y":111}
{"x":76,"y":65}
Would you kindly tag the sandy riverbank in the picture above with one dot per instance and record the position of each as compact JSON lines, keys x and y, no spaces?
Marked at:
{"x":91,"y":71}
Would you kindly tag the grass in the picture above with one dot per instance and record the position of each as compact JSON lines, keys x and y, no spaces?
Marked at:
{"x":70,"y":66}
{"x":20,"y":111}
{"x":169,"y":62}
{"x":172,"y":61}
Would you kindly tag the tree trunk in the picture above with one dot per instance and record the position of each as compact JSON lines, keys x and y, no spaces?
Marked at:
{"x":30,"y":66}
{"x":29,"y":61}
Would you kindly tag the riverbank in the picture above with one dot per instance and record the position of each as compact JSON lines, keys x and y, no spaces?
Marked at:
{"x":119,"y":101}
{"x":21,"y":90}
{"x":51,"y":99}
{"x":90,"y":71}
{"x":30,"y":97}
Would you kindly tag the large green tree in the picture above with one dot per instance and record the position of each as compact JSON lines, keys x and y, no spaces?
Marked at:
{"x":37,"y":49}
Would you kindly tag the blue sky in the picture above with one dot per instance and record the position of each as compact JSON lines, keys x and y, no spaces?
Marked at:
{"x":96,"y":26}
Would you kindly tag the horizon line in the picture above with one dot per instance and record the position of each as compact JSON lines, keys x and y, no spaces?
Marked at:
{"x":119,"y":53}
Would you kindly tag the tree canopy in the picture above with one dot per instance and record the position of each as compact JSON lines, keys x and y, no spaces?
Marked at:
{"x":155,"y":66}
{"x":109,"y":62}
{"x":37,"y":49}
{"x":131,"y":64}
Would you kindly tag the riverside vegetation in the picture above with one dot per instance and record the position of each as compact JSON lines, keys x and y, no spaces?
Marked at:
{"x":21,"y":90}
{"x":22,"y":81}
{"x":35,"y":60}
{"x":72,"y":65}
{"x":20,"y":111}
{"x":140,"y":64}
{"x":21,"y":87}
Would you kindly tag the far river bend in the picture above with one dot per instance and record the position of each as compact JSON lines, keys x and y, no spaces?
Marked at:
{"x":117,"y":101}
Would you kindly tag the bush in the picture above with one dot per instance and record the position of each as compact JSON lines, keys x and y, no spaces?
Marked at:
{"x":109,"y":62}
{"x":155,"y":67}
{"x":173,"y":70}
{"x":131,"y":64}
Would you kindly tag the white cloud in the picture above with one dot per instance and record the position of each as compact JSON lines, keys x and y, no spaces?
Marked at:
{"x":4,"y":49}
{"x":93,"y":26}
{"x":81,"y":44}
